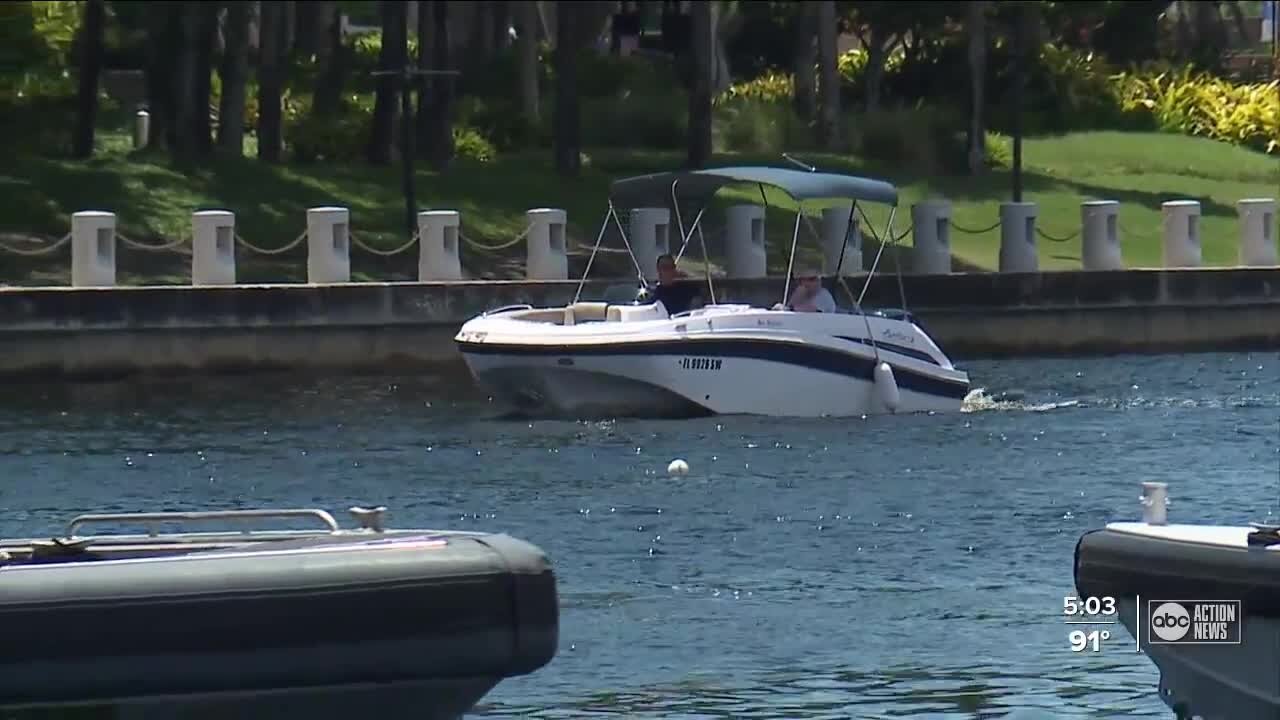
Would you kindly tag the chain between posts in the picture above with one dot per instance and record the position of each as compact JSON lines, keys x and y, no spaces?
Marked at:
{"x":384,"y":253}
{"x":500,"y":246}
{"x":149,"y":248}
{"x":36,"y":252}
{"x":277,"y":251}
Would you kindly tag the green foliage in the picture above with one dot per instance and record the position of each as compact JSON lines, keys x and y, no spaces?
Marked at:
{"x":756,"y":125}
{"x":1197,"y":103}
{"x":35,"y":46}
{"x":772,"y":87}
{"x":1067,"y":90}
{"x":641,"y":120}
{"x":469,"y":144}
{"x":340,"y":137}
{"x":923,"y":141}
{"x":999,"y":150}
{"x":368,"y":47}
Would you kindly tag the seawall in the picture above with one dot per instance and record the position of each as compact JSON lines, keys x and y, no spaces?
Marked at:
{"x":90,"y":333}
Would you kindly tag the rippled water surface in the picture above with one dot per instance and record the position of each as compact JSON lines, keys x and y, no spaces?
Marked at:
{"x":886,"y":567}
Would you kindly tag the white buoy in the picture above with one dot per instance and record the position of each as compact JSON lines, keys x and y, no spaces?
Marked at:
{"x":886,"y":386}
{"x":1155,"y":498}
{"x":678,"y":467}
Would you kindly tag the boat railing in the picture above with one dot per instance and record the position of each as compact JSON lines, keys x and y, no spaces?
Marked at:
{"x":507,"y":309}
{"x":103,"y":546}
{"x":153,"y":519}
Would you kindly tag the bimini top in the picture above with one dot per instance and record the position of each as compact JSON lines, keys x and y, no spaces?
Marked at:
{"x":697,"y":186}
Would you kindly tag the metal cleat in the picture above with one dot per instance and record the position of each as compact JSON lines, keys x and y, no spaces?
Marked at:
{"x":369,"y":518}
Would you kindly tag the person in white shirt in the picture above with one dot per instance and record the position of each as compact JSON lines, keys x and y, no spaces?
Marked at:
{"x":810,"y":296}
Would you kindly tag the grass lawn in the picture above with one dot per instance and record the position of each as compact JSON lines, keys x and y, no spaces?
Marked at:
{"x":154,"y":202}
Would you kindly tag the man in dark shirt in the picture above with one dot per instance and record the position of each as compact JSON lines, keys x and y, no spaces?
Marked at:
{"x":676,"y":296}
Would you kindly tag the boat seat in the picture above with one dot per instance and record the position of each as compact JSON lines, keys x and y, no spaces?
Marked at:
{"x":585,"y":312}
{"x":633,"y":313}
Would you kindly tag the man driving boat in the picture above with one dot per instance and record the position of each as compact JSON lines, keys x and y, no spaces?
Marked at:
{"x":810,"y":296}
{"x":676,"y":296}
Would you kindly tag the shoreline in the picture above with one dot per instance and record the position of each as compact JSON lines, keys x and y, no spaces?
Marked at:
{"x":85,"y":334}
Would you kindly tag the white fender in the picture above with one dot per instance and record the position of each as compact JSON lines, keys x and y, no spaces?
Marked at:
{"x":886,"y":386}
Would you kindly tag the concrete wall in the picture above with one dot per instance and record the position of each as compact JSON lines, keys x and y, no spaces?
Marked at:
{"x":111,"y":332}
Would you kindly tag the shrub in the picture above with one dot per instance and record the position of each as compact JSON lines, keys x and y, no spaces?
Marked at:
{"x":755,"y":125}
{"x":1201,"y":104}
{"x":656,"y":120}
{"x":769,"y":88}
{"x":1067,"y":90}
{"x":469,"y":144}
{"x":919,"y":141}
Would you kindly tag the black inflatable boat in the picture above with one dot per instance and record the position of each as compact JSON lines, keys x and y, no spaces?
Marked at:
{"x":328,"y":623}
{"x":1201,"y":601}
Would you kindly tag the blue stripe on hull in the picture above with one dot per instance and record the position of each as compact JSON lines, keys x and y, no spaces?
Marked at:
{"x":808,"y":356}
{"x":900,"y":349}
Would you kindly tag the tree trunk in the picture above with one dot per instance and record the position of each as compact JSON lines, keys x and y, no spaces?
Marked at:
{"x":977,"y":30}
{"x":877,"y":54}
{"x":326,"y":98}
{"x":289,"y":25}
{"x":1020,"y":46}
{"x":699,"y":148}
{"x":91,"y":35}
{"x":234,"y":74}
{"x":164,"y":40}
{"x":426,"y":61}
{"x":501,"y":22}
{"x":327,"y":14}
{"x":202,"y":84}
{"x":439,"y":118}
{"x":567,"y":138}
{"x":829,"y":88}
{"x":528,"y":59}
{"x":806,"y":56}
{"x":184,"y":83}
{"x":390,"y":59}
{"x":310,"y":25}
{"x":270,"y":80}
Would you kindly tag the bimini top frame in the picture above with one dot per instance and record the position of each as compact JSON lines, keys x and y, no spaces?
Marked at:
{"x":695,"y":188}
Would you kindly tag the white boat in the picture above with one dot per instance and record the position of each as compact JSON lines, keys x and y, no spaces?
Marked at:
{"x":1201,"y":601}
{"x":634,"y":359}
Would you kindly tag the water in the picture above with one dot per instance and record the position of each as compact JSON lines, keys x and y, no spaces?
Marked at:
{"x":886,"y":567}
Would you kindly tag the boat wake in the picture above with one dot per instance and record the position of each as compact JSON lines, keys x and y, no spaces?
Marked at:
{"x":979,"y":401}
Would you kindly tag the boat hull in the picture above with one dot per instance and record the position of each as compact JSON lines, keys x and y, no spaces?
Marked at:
{"x":695,"y":377}
{"x":424,"y":623}
{"x":1134,"y":561}
{"x":634,"y":360}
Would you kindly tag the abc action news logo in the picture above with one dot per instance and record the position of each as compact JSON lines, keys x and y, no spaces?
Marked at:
{"x":1194,"y":622}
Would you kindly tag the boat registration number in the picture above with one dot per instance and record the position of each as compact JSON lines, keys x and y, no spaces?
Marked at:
{"x":700,"y":363}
